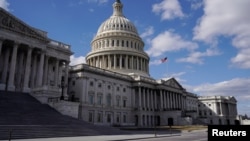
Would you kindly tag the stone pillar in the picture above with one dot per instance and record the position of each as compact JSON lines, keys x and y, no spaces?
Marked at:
{"x":173,"y":96}
{"x":65,"y":92}
{"x":126,"y":62}
{"x":168,"y":100}
{"x":46,"y":66}
{"x":39,"y":80}
{"x":114,"y":61}
{"x":140,"y":99}
{"x":137,"y":63}
{"x":171,"y":100}
{"x":27,"y":72}
{"x":5,"y":70}
{"x":56,"y":73}
{"x":221,"y":113}
{"x":11,"y":86}
{"x":148,"y":95}
{"x":120,"y":59}
{"x":132,"y":62}
{"x":34,"y":70}
{"x":151,"y":99}
{"x":144,"y":98}
{"x":19,"y":71}
{"x":109,"y":62}
{"x":2,"y":85}
{"x":155,"y":100}
{"x":161,"y":99}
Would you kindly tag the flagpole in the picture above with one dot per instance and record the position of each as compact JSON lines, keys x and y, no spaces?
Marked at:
{"x":167,"y":69}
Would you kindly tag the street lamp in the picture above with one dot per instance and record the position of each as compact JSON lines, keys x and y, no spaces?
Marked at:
{"x":62,"y":85}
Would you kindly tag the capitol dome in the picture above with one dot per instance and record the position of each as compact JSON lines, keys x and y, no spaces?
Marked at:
{"x":118,"y":47}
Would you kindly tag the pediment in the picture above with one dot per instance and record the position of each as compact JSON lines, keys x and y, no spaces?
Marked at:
{"x":172,"y":82}
{"x":11,"y":23}
{"x":233,"y":99}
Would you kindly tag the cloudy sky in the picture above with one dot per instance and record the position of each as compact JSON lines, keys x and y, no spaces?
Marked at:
{"x":206,"y":41}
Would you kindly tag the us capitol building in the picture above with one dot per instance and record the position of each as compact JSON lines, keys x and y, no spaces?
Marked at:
{"x":114,"y":87}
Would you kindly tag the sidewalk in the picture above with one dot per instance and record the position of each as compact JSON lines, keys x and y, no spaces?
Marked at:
{"x":112,"y":137}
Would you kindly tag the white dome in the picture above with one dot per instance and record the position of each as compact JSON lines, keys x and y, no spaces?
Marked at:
{"x":115,"y":23}
{"x":118,"y":47}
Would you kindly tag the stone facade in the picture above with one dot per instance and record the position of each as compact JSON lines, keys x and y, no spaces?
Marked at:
{"x":111,"y":98}
{"x":29,"y":60}
{"x":113,"y":88}
{"x":218,"y":110}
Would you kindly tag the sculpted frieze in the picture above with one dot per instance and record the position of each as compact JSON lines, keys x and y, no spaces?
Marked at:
{"x":11,"y":23}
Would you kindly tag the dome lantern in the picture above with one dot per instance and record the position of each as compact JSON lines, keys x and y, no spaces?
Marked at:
{"x":117,"y":8}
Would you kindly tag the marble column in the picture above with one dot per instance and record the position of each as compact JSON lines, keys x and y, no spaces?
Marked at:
{"x":39,"y":80}
{"x":140,"y":99}
{"x":144,"y":98}
{"x":161,"y":99}
{"x":114,"y":61}
{"x":46,"y":68}
{"x":11,"y":86}
{"x":27,"y":72}
{"x":155,"y":100}
{"x":34,"y":70}
{"x":4,"y":70}
{"x":65,"y":92}
{"x":56,"y":73}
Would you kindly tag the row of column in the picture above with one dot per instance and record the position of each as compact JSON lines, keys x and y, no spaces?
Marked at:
{"x":119,"y":61}
{"x":27,"y":68}
{"x":117,"y":43}
{"x":150,"y":99}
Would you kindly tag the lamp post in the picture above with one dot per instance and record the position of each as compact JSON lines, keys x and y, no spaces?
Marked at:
{"x":62,"y":85}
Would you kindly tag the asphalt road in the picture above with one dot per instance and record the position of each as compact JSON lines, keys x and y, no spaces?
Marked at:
{"x":189,"y":136}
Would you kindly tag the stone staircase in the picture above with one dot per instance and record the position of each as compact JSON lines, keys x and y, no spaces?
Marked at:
{"x":23,"y":117}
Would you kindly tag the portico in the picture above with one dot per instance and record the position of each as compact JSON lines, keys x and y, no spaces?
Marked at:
{"x":30,"y":61}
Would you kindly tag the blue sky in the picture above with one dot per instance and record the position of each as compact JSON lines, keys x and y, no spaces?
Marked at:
{"x":206,"y":41}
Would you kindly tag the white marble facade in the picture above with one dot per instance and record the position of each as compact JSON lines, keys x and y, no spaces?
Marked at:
{"x":113,"y":88}
{"x":29,"y":60}
{"x":221,"y":110}
{"x":111,"y":98}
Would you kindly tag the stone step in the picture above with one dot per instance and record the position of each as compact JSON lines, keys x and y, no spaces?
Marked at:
{"x":26,"y":118}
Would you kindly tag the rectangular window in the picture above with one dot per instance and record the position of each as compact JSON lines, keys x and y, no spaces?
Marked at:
{"x":109,"y":100}
{"x":99,"y":99}
{"x":99,"y":117}
{"x":118,"y":102}
{"x":91,"y":99}
{"x":124,"y":103}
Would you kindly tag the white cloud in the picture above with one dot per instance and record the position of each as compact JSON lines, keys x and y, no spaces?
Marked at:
{"x":169,"y":9}
{"x":237,"y":87}
{"x":98,"y":1}
{"x":195,"y":57}
{"x":196,"y":4}
{"x":229,"y":19}
{"x":76,"y":60}
{"x":148,"y":31}
{"x":4,"y":4}
{"x":177,"y":76}
{"x":167,"y":42}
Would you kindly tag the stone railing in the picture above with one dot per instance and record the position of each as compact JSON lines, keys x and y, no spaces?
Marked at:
{"x":87,"y":67}
{"x":59,"y":44}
